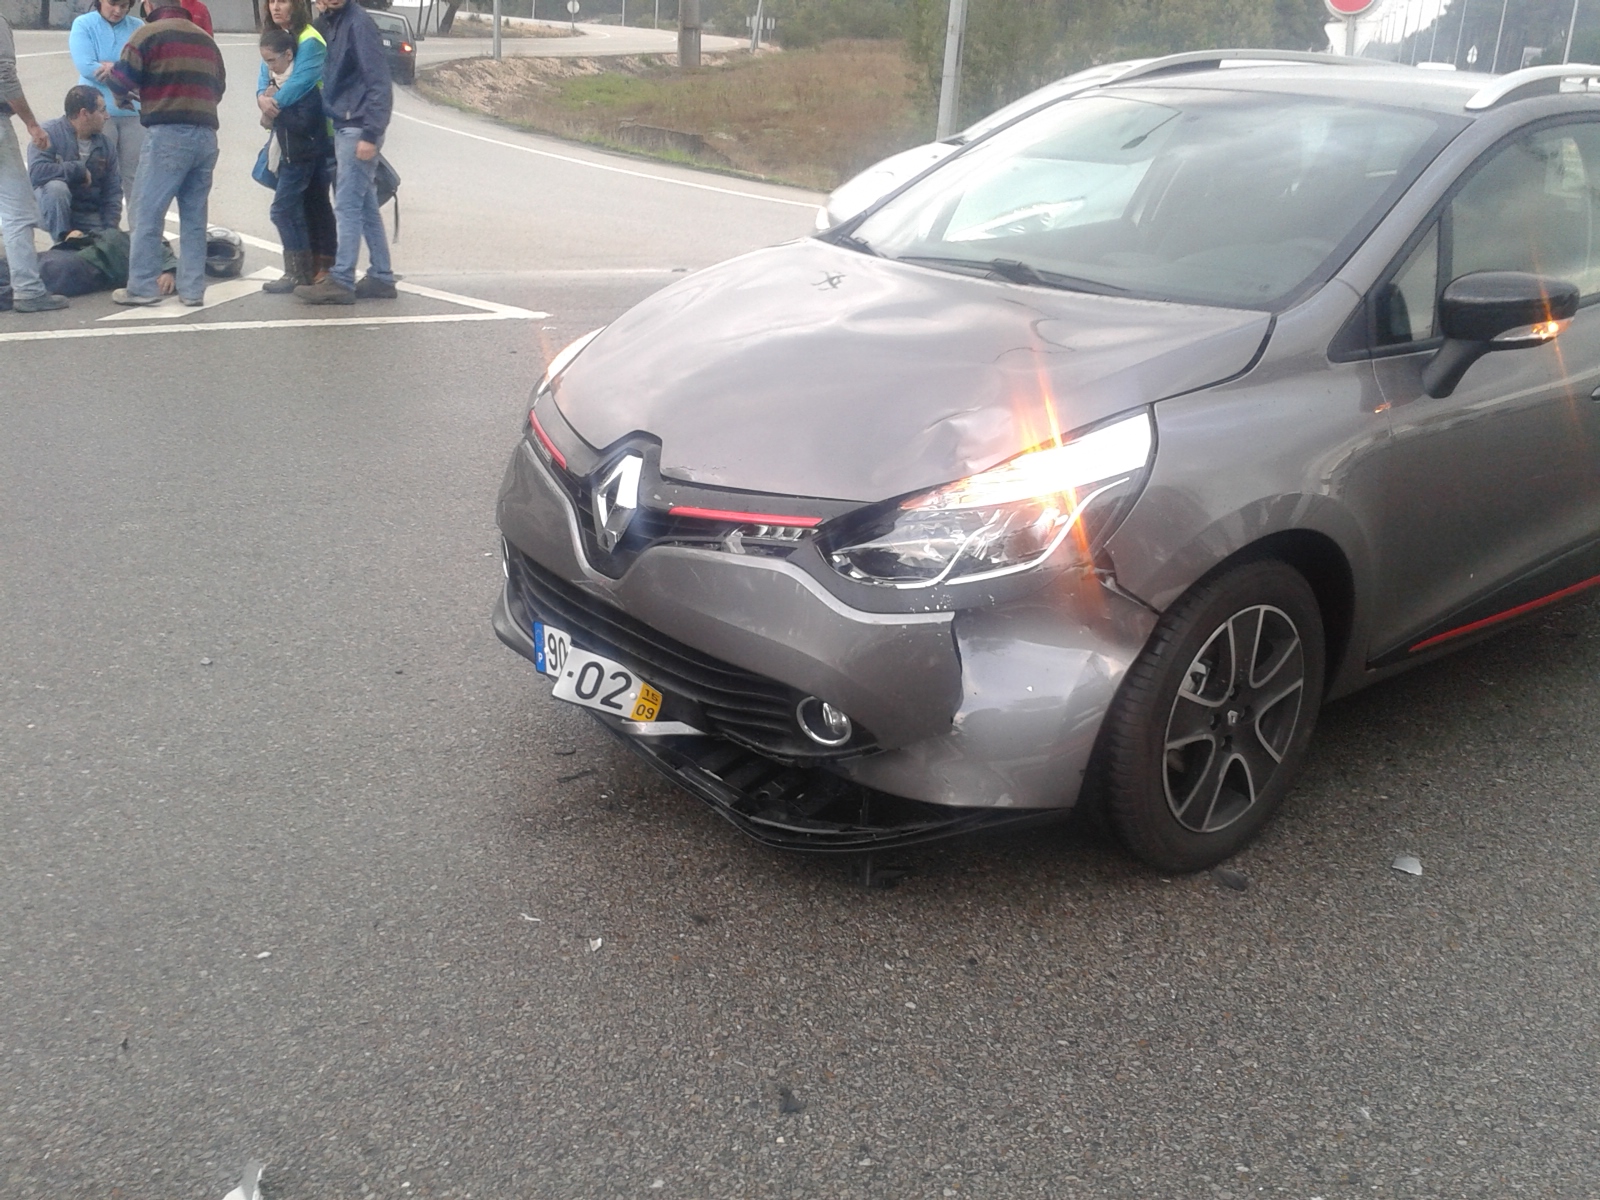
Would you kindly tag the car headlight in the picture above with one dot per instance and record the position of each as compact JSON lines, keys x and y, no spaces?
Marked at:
{"x":1008,"y":518}
{"x":563,"y":360}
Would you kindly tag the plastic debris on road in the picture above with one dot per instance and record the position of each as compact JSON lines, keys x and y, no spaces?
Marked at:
{"x":265,"y":954}
{"x":1408,"y":863}
{"x":595,"y":944}
{"x":535,"y":920}
{"x":249,"y":1183}
{"x":1231,"y":879}
{"x":788,"y":1102}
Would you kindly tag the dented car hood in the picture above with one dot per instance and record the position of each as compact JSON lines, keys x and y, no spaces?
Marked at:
{"x":813,"y":370}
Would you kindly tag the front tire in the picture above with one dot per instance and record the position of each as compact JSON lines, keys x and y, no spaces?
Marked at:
{"x":1212,"y":722}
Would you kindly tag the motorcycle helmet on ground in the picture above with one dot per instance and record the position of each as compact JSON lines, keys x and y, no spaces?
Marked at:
{"x":224,"y":253}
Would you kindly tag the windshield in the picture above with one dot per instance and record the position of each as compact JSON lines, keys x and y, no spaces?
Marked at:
{"x":392,"y":23}
{"x":1217,"y":198}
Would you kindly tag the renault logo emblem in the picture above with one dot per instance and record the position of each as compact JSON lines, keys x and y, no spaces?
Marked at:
{"x":616,"y":497}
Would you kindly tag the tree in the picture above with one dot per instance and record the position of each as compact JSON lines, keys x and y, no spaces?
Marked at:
{"x":1014,"y":46}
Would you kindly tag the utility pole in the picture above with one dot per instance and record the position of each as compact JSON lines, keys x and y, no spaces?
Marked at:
{"x":497,"y":30}
{"x":1460,"y":29}
{"x":1566,"y":55}
{"x":1494,"y":65}
{"x":755,"y":28}
{"x":689,"y":33}
{"x":950,"y":81}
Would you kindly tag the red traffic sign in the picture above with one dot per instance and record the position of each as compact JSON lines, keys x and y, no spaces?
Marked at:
{"x":1348,"y":8}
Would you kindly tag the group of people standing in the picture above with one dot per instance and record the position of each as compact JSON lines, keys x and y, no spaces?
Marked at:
{"x":140,"y":131}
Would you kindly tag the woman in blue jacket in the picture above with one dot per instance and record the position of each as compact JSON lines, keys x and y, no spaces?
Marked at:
{"x":95,"y":44}
{"x":301,"y":205}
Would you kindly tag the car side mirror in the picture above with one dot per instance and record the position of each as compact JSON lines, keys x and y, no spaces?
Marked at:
{"x":1495,"y":310}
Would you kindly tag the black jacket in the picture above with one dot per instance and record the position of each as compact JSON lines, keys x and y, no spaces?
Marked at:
{"x":355,"y":80}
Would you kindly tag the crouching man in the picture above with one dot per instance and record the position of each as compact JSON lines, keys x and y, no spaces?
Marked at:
{"x":77,"y":180}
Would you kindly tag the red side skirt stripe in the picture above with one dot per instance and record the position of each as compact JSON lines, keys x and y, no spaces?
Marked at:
{"x":1530,"y":606}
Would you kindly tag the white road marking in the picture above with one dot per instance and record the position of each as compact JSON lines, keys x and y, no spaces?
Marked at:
{"x":44,"y":54}
{"x":583,"y":162}
{"x":489,"y":306}
{"x":217,"y":293}
{"x":57,"y":335}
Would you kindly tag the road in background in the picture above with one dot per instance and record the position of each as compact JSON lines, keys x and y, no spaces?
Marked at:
{"x":298,"y":863}
{"x":481,"y":198}
{"x":592,"y":41}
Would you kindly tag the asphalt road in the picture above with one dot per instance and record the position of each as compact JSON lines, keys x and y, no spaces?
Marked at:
{"x":297,"y":863}
{"x":592,"y":41}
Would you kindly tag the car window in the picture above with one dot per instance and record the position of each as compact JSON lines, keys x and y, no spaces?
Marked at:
{"x":1408,"y":302}
{"x":1214,"y":198}
{"x":390,"y":24}
{"x":1532,"y":207}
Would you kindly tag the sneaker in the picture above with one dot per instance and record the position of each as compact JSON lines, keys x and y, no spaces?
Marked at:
{"x":124,"y":296}
{"x":329,"y":291}
{"x":281,"y":286}
{"x":197,"y":302}
{"x":49,"y":302}
{"x":375,"y":289}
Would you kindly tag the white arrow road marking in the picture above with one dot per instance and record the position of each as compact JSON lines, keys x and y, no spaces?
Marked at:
{"x":216,"y":293}
{"x":503,"y":310}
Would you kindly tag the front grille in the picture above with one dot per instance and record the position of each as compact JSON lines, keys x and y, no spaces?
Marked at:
{"x":652,"y":527}
{"x":744,"y":707}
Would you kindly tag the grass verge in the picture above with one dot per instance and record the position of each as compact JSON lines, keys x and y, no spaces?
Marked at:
{"x":808,"y":117}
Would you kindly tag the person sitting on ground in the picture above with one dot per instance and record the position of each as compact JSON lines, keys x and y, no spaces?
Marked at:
{"x":90,"y":262}
{"x":289,"y":93}
{"x":77,"y":180}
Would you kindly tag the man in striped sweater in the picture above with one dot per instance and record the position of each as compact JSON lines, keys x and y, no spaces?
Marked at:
{"x":173,"y":66}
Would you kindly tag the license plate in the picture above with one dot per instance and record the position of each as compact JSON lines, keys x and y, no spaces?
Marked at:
{"x":591,"y":679}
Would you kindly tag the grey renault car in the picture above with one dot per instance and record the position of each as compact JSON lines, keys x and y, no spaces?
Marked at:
{"x":1086,"y":466}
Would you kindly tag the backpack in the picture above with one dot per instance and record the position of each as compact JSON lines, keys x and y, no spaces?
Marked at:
{"x":387,"y":182}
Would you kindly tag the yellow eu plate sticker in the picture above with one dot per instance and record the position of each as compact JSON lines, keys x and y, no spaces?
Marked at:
{"x":649,"y":705}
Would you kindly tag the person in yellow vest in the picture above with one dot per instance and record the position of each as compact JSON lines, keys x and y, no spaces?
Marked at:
{"x":289,"y":93}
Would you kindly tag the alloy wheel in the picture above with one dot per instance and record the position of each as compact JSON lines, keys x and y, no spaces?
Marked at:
{"x":1234,"y":718}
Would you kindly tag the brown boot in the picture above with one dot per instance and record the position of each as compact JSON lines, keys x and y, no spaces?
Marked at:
{"x":296,"y":271}
{"x":321,"y":264}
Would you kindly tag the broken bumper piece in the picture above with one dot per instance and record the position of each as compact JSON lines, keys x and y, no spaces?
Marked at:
{"x":808,"y":809}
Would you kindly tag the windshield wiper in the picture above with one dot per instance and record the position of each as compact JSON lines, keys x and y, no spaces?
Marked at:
{"x":851,"y":242}
{"x":1017,"y":271}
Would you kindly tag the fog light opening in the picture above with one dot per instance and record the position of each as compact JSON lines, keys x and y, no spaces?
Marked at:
{"x":823,"y":723}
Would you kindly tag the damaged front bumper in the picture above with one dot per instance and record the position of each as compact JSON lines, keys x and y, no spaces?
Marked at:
{"x":967,"y":719}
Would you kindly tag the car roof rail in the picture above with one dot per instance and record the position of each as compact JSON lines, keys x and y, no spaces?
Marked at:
{"x":1205,"y":60}
{"x":1534,"y":81}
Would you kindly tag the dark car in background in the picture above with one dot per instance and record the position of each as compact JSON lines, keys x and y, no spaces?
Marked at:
{"x":399,"y":46}
{"x":1089,"y":463}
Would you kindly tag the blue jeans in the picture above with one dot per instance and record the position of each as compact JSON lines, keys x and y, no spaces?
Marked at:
{"x":176,"y":163}
{"x":127,"y":135}
{"x":55,"y":208}
{"x":355,"y":211}
{"x":300,"y":207}
{"x":18,"y":215}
